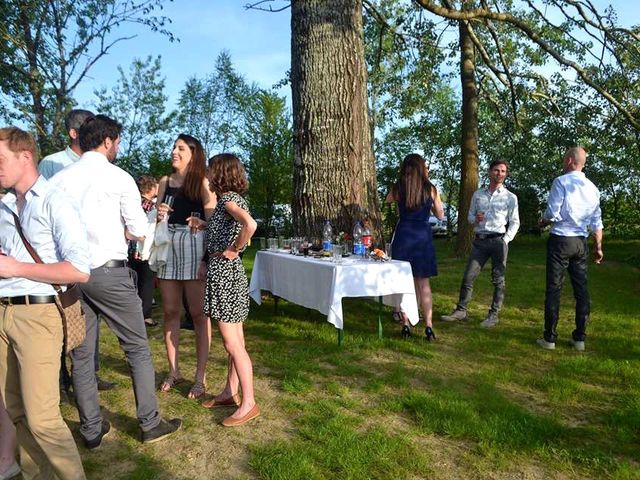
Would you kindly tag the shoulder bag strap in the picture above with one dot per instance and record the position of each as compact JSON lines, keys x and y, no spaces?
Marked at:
{"x":30,"y":249}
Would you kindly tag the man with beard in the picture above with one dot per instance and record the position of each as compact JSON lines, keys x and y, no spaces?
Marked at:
{"x":110,"y":209}
{"x":494,"y":215}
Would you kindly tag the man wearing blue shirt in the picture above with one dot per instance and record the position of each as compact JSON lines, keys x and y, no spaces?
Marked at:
{"x":30,"y":324}
{"x":494,"y":215}
{"x":52,"y":164}
{"x":573,"y":208}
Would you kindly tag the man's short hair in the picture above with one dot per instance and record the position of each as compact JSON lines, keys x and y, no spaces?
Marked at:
{"x":19,"y":141}
{"x":499,"y":162}
{"x":75,"y":118}
{"x":96,"y":130}
{"x":146,"y":183}
{"x":574,"y":152}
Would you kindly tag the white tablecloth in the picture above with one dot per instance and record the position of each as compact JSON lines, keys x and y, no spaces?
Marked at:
{"x":321,"y":284}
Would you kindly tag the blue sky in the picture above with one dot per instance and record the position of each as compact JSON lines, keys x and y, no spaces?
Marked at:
{"x":259,"y":44}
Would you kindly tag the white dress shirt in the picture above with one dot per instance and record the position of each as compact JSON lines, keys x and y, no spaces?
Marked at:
{"x":49,"y":220}
{"x":52,"y":164}
{"x":573,"y":206}
{"x":500,"y":209}
{"x":109,"y":201}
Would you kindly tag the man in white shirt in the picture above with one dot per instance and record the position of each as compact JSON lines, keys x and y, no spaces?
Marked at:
{"x":572,"y":209}
{"x":494,"y":214}
{"x":30,"y":325}
{"x":52,"y":164}
{"x":111,"y":211}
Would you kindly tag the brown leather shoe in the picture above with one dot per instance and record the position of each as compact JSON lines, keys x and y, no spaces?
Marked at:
{"x":236,"y":422}
{"x":227,"y":402}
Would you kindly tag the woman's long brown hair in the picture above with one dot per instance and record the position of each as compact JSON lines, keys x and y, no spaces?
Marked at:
{"x":413,"y":187}
{"x":192,"y":186}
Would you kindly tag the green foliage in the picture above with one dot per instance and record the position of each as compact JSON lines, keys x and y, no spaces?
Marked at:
{"x":212,"y":108}
{"x":266,"y":142}
{"x":47,"y":49}
{"x":138,"y":102}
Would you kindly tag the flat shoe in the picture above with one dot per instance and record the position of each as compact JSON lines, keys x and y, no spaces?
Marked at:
{"x":236,"y":422}
{"x":12,"y":471}
{"x":227,"y":402}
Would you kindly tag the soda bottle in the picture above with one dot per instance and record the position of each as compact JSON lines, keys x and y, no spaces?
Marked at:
{"x":366,"y":235}
{"x":358,"y":246}
{"x":327,"y":234}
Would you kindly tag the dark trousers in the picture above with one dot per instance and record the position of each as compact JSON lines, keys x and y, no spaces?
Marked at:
{"x":566,"y":254}
{"x":482,"y":250}
{"x":144,"y":283}
{"x":112,"y":293}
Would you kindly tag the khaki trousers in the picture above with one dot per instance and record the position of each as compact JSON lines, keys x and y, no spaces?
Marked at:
{"x":30,"y":345}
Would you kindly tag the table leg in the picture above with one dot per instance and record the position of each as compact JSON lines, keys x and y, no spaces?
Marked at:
{"x":340,"y":337}
{"x":380,"y":317}
{"x":275,"y":305}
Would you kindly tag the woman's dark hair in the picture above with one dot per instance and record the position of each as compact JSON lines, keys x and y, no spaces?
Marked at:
{"x":226,"y":174}
{"x":192,"y":185}
{"x":94,"y":131}
{"x":413,"y":187}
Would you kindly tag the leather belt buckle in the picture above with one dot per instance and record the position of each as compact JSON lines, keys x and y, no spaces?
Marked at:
{"x":115,"y":264}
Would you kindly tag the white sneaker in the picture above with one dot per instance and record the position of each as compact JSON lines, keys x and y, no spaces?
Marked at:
{"x":578,"y":345}
{"x":546,"y":345}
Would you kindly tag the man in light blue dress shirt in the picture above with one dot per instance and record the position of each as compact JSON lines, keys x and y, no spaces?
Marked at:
{"x":52,"y":164}
{"x":30,"y":324}
{"x":573,"y":209}
{"x":494,"y":215}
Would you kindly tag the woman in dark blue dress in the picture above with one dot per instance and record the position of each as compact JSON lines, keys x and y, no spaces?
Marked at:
{"x":412,"y":241}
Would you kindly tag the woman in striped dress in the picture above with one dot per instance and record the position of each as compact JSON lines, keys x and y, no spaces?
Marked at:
{"x":183,"y":194}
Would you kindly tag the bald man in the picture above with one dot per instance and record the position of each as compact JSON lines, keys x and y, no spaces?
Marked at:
{"x":573,"y":209}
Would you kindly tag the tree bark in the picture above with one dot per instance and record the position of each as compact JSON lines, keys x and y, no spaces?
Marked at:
{"x":469,"y":140}
{"x":334,"y":169}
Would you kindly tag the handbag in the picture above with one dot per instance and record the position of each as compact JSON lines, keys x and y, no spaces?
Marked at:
{"x":74,"y":325}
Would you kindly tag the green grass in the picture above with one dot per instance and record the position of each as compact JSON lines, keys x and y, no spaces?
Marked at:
{"x":475,"y":404}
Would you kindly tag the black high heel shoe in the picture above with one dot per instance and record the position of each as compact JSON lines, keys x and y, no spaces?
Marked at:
{"x":406,"y":331}
{"x":431,"y":335}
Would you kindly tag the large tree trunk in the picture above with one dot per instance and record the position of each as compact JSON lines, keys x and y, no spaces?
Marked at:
{"x":334,"y":170}
{"x":469,"y":140}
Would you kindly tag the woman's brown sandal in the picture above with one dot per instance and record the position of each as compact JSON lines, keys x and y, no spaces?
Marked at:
{"x":197,"y":390}
{"x":232,"y":401}
{"x":170,"y":382}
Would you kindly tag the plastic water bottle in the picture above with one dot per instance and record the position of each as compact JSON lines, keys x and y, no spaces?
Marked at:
{"x":358,"y":246}
{"x":327,"y":235}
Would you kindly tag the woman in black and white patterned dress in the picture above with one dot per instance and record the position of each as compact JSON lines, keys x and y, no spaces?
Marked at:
{"x":226,"y":289}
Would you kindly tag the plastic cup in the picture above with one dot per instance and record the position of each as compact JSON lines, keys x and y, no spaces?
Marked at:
{"x":337,"y":253}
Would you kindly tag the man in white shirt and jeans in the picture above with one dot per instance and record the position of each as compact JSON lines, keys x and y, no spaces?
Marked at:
{"x":111,"y":211}
{"x":494,"y":214}
{"x":572,"y":209}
